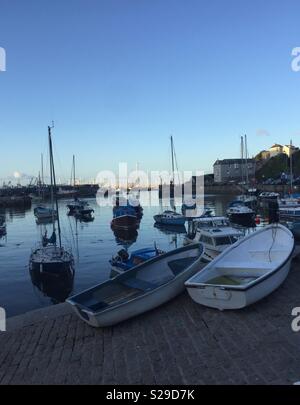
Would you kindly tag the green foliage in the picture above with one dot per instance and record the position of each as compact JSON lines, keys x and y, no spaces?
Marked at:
{"x":274,"y":167}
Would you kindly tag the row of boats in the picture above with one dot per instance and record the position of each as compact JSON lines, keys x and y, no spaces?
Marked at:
{"x":242,"y":274}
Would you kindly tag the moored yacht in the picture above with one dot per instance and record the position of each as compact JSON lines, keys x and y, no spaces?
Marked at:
{"x":50,"y":256}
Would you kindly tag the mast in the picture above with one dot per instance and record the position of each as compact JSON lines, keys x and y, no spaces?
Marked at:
{"x":242,"y":157}
{"x":291,"y":166}
{"x":246,"y":160}
{"x":74,"y":177}
{"x":172,"y":155}
{"x":42,"y":176}
{"x":53,"y":187}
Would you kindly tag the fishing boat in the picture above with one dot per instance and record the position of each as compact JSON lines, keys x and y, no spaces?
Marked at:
{"x":239,"y":213}
{"x":216,"y":239}
{"x":49,"y":256}
{"x":139,"y":289}
{"x":246,"y":272}
{"x":123,"y":261}
{"x":124,"y":218}
{"x":169,"y":218}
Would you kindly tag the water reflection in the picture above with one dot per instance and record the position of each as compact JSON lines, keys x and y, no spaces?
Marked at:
{"x":56,"y":286}
{"x":125,"y":237}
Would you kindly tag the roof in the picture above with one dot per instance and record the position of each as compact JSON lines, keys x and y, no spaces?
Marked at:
{"x":276,"y":145}
{"x":232,"y":161}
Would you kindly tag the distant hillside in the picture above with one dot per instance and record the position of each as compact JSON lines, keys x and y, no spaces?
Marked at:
{"x":275,"y":166}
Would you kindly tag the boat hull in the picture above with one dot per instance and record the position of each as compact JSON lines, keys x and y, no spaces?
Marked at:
{"x":124,"y":222}
{"x":145,"y":302}
{"x":242,"y":219}
{"x":169,"y":221}
{"x":225,"y":299}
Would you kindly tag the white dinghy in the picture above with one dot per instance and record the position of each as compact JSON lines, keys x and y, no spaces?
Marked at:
{"x":140,"y":289}
{"x":246,"y":272}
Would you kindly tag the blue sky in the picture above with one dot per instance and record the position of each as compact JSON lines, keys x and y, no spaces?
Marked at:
{"x":119,"y":76}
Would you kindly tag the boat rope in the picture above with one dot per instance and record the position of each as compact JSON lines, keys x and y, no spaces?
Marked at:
{"x":274,"y":233}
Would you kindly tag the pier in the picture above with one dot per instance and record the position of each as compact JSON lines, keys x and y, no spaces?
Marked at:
{"x":178,"y":343}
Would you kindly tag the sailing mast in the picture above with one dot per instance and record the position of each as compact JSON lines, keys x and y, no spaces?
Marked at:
{"x":291,"y":166}
{"x":53,"y":188}
{"x":246,"y":160}
{"x":74,"y":177}
{"x":172,"y":154}
{"x":242,"y":158}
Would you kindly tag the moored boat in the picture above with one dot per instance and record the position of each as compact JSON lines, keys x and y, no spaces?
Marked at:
{"x":239,"y":213}
{"x":138,"y":290}
{"x":123,"y":261}
{"x":169,"y":218}
{"x":41,"y":212}
{"x":246,"y":272}
{"x":50,"y":256}
{"x":124,"y":218}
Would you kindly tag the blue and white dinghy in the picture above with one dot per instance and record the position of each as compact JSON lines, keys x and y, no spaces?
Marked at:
{"x":246,"y":272}
{"x":140,"y":289}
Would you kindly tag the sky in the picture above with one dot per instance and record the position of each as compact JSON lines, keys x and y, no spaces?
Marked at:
{"x":118,"y":77}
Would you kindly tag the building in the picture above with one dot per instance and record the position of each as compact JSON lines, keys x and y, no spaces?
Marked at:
{"x":276,"y":150}
{"x":233,"y":170}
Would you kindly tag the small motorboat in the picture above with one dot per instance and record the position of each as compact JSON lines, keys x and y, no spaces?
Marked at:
{"x":124,"y":218}
{"x":139,"y":289}
{"x":169,"y":218}
{"x":123,"y":262}
{"x":239,"y":213}
{"x":77,"y":205}
{"x":44,"y":212}
{"x":246,"y":272}
{"x":205,"y":222}
{"x":216,"y":239}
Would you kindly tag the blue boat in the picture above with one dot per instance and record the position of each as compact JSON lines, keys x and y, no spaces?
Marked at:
{"x":124,"y":218}
{"x":169,"y":218}
{"x":123,"y":262}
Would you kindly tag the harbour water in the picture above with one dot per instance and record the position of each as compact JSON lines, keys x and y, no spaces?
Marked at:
{"x":92,"y":243}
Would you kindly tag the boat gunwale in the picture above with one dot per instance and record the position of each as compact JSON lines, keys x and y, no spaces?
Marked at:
{"x":252,"y":283}
{"x":126,"y":275}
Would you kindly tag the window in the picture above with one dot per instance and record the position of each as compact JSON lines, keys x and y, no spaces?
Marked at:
{"x":224,"y":240}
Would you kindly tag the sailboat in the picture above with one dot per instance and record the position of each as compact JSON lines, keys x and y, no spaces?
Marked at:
{"x":41,"y":212}
{"x":290,"y":206}
{"x":170,"y":217}
{"x":50,"y":256}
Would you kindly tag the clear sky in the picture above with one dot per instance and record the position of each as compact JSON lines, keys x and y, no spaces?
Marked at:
{"x":119,"y":76}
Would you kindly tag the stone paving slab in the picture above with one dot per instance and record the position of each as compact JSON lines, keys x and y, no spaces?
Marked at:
{"x":178,"y":343}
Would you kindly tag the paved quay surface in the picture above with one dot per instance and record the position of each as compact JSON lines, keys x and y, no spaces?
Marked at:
{"x":178,"y":343}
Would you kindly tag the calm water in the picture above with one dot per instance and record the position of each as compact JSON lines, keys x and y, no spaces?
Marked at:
{"x":92,"y":244}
